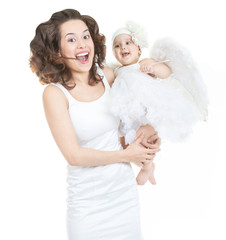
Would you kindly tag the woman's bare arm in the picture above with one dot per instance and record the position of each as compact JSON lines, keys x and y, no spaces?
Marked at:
{"x":57,"y":115}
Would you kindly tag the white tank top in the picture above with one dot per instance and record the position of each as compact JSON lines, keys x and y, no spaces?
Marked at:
{"x":94,"y":124}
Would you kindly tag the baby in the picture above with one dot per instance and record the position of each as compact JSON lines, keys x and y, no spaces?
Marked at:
{"x":139,"y":96}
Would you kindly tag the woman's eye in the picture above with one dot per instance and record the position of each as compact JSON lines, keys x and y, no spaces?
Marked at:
{"x":71,"y":40}
{"x":86,"y":36}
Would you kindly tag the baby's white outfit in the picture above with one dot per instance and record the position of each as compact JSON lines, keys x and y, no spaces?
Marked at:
{"x":102,"y":201}
{"x":139,"y":99}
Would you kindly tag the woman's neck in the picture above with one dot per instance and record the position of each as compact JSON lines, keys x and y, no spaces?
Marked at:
{"x":80,"y":78}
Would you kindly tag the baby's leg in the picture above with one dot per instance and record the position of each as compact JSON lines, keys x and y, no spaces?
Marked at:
{"x":146,"y":173}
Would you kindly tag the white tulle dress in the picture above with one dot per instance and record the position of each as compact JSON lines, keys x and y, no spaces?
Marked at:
{"x":102,"y":201}
{"x":138,"y":99}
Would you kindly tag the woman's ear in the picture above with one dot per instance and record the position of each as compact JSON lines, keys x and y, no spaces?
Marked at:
{"x":59,"y":54}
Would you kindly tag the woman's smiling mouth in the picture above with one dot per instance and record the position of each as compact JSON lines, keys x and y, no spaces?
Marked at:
{"x":82,"y":57}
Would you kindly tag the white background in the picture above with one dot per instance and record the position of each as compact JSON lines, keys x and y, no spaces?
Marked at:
{"x":189,"y":200}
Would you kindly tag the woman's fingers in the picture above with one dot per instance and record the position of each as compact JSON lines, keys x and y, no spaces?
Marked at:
{"x":152,"y":142}
{"x":147,"y":161}
{"x":152,"y":151}
{"x":150,"y":156}
{"x":147,"y":145}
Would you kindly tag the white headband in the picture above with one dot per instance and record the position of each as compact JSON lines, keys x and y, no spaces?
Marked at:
{"x":139,"y":36}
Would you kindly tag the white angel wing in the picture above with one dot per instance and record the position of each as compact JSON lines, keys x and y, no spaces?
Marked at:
{"x":184,"y":70}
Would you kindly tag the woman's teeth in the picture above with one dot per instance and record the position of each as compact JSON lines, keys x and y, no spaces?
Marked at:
{"x":82,"y":56}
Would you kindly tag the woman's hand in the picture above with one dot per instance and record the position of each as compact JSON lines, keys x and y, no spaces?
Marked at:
{"x":138,"y":154}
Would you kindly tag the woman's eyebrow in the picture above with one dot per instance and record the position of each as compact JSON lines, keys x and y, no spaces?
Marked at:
{"x":71,"y":33}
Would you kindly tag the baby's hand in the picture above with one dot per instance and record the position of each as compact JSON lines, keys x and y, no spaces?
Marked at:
{"x":146,"y":65}
{"x":145,"y":68}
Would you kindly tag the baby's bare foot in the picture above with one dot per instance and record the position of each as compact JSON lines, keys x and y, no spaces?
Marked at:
{"x":152,"y":177}
{"x":145,"y":174}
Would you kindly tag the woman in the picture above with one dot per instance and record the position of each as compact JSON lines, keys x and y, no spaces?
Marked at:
{"x":67,"y":53}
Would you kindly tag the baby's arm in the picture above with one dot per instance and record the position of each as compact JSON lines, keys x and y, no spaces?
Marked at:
{"x":155,"y":69}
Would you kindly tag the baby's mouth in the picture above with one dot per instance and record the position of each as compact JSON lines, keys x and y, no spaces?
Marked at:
{"x":125,"y":54}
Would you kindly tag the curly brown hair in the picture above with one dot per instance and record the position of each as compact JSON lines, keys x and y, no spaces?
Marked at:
{"x":45,"y":47}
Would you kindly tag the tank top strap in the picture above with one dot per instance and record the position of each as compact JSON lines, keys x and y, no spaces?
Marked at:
{"x":65,"y":91}
{"x":104,"y":79}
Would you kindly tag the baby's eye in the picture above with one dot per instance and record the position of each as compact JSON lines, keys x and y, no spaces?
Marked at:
{"x":116,"y":46}
{"x":128,"y":42}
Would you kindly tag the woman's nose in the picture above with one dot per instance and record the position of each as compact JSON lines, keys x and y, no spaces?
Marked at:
{"x":80,"y":43}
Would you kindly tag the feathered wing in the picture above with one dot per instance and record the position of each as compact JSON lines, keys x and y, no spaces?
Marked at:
{"x":184,"y":71}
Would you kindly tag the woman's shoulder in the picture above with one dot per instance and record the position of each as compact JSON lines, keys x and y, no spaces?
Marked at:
{"x":109,"y":74}
{"x":51,"y":89}
{"x":52,"y":93}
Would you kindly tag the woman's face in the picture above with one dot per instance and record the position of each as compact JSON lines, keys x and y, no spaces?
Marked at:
{"x":126,"y":52}
{"x":76,"y":43}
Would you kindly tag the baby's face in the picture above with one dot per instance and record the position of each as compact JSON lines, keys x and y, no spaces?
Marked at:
{"x":125,"y":50}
